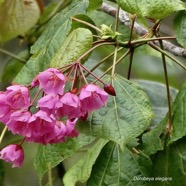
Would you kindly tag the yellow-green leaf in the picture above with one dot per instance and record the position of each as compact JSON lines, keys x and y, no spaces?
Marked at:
{"x":17,"y":17}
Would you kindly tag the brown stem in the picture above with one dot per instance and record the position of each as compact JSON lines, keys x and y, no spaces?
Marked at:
{"x":130,"y":64}
{"x":167,"y":88}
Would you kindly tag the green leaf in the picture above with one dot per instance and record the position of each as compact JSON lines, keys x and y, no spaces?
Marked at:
{"x":51,"y":155}
{"x":17,"y":17}
{"x":52,"y":8}
{"x":153,"y":141}
{"x":179,"y":115}
{"x":180,"y":28}
{"x":156,"y":9}
{"x":108,"y":33}
{"x":75,"y":45}
{"x":50,"y":41}
{"x":81,"y":170}
{"x":115,"y":167}
{"x":93,"y":5}
{"x":158,"y":98}
{"x":125,"y":117}
{"x":170,"y":165}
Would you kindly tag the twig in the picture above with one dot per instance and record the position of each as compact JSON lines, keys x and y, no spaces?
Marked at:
{"x":140,"y":30}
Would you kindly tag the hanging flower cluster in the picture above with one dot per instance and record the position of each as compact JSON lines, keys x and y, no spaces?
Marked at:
{"x":50,"y":117}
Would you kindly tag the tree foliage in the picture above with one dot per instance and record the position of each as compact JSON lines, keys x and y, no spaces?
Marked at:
{"x":138,"y":138}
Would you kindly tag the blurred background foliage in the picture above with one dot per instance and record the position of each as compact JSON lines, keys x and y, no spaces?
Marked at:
{"x":147,"y":65}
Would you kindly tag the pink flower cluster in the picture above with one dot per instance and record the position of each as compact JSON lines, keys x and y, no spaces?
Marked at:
{"x":49,"y":118}
{"x":56,"y":112}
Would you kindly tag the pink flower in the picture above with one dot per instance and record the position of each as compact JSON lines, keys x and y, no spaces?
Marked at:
{"x":40,"y":123}
{"x":52,"y":81}
{"x":17,"y":97}
{"x":5,"y":109}
{"x":70,"y":128}
{"x":49,"y":104}
{"x":58,"y":134}
{"x":13,"y":154}
{"x":18,"y":122}
{"x":71,"y":106}
{"x":92,"y":97}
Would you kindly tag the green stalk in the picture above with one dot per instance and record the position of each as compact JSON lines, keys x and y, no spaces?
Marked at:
{"x":93,"y":48}
{"x":110,"y":68}
{"x":50,"y":175}
{"x":3,"y":133}
{"x":116,"y":48}
{"x":86,"y":23}
{"x":12,"y":55}
{"x":102,"y":61}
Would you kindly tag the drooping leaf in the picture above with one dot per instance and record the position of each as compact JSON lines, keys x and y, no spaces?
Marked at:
{"x":81,"y":170}
{"x":158,"y":98}
{"x":17,"y":17}
{"x":93,"y":5}
{"x":153,"y":141}
{"x":170,"y":165}
{"x":125,"y":117}
{"x":51,"y":40}
{"x":179,"y":115}
{"x":180,"y":28}
{"x":75,"y":45}
{"x":51,"y":155}
{"x":156,"y":9}
{"x":115,"y":167}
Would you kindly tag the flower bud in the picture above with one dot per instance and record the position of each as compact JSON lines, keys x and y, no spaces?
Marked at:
{"x":109,"y":89}
{"x":13,"y":154}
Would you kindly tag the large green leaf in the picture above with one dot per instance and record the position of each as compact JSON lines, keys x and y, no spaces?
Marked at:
{"x":115,"y":167}
{"x":157,"y":9}
{"x":76,"y":44}
{"x":17,"y":17}
{"x":125,"y":117}
{"x":170,"y":165}
{"x":158,"y":98}
{"x":179,"y":115}
{"x":50,"y":41}
{"x":154,"y":140}
{"x":81,"y":170}
{"x":180,"y":28}
{"x":51,"y":155}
